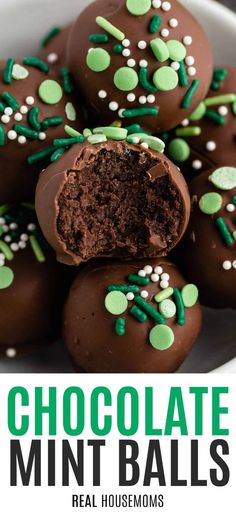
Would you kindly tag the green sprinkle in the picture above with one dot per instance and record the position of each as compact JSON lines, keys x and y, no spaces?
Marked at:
{"x":95,"y":139}
{"x":70,"y":112}
{"x":190,"y":93}
{"x":6,"y":277}
{"x":124,"y":288}
{"x":116,"y":303}
{"x":36,"y":63}
{"x":221,"y":99}
{"x":234,"y":108}
{"x":183,"y":78}
{"x":26,"y":131}
{"x":177,"y":50}
{"x":52,"y":121}
{"x":57,"y":154}
{"x":117,"y":48}
{"x":68,"y":86}
{"x":160,"y":49}
{"x":139,"y":112}
{"x":33,"y":120}
{"x":138,"y":314}
{"x":98,"y":60}
{"x":165,"y":78}
{"x":164,"y":294}
{"x":40,"y":155}
{"x":134,"y":128}
{"x":155,"y":24}
{"x":188,"y":131}
{"x":50,"y":92}
{"x":167,"y":308}
{"x":138,"y":280}
{"x":149,"y":310}
{"x":6,"y":250}
{"x":224,"y":232}
{"x":126,"y":79}
{"x":190,"y":295}
{"x":224,"y":178}
{"x":36,"y":249}
{"x":50,"y":35}
{"x":2,"y":136}
{"x":120,"y":326}
{"x":87,"y":132}
{"x":198,"y":113}
{"x":19,"y":73}
{"x":215,"y":117}
{"x":2,"y":107}
{"x":234,"y":199}
{"x":111,"y":29}
{"x":7,"y":74}
{"x":10,"y":100}
{"x":210,"y":203}
{"x":215,"y":86}
{"x":161,"y":337}
{"x":220,"y":74}
{"x":137,"y":7}
{"x":71,"y":132}
{"x":180,"y":307}
{"x":4,"y":208}
{"x":112,"y":133}
{"x":153,"y":142}
{"x":143,"y":79}
{"x":234,"y":235}
{"x":99,"y":38}
{"x":67,"y":142}
{"x":179,"y":150}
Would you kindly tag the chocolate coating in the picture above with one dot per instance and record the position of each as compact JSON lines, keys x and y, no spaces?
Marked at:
{"x":18,"y":178}
{"x":203,"y":252}
{"x":113,"y":199}
{"x":136,"y":29}
{"x":89,"y":329}
{"x":54,"y":53}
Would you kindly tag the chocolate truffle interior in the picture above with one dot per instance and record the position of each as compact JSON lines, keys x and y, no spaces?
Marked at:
{"x":115,"y":203}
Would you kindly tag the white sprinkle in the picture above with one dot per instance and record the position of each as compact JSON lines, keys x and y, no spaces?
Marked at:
{"x":234,"y":264}
{"x":230,"y":208}
{"x":155,"y":277}
{"x":12,"y":135}
{"x":173,"y":22}
{"x":131,"y":97}
{"x":10,"y":352}
{"x":158,"y":270}
{"x":130,"y":296}
{"x":2,"y":262}
{"x":23,"y":110}
{"x":148,"y":269}
{"x":21,"y":139}
{"x":42,"y":136}
{"x":197,"y":164}
{"x":187,"y":40}
{"x":29,"y":100}
{"x":144,"y":294}
{"x":5,"y":228}
{"x":189,"y":60}
{"x":18,"y":117}
{"x":126,"y":42}
{"x":13,"y":225}
{"x":192,"y":71}
{"x":52,"y":58}
{"x":164,"y":284}
{"x":8,"y":239}
{"x":165,"y":33}
{"x":120,"y":113}
{"x":102,"y":94}
{"x":22,"y":245}
{"x":210,"y":146}
{"x":142,"y":44}
{"x":143,"y":63}
{"x":24,"y":237}
{"x":142,"y":273}
{"x":5,"y":119}
{"x":185,"y":122}
{"x":14,"y":247}
{"x":131,"y":63}
{"x":156,"y":4}
{"x":2,"y":220}
{"x":126,"y":52}
{"x":166,"y":6}
{"x":223,"y":110}
{"x":142,"y":99}
{"x":144,"y":145}
{"x":165,"y":276}
{"x":227,"y":265}
{"x":151,"y":99}
{"x":8,"y":111}
{"x":2,"y":257}
{"x":113,"y":106}
{"x":175,"y":65}
{"x":31,"y":227}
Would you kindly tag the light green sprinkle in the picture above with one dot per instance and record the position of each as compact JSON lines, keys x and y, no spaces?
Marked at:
{"x":126,"y":79}
{"x":112,"y":133}
{"x":179,"y":150}
{"x":98,"y":60}
{"x":189,"y":295}
{"x":161,"y":337}
{"x":210,"y":203}
{"x":87,"y":132}
{"x":177,"y":50}
{"x":50,"y":92}
{"x":188,"y":131}
{"x":154,"y":143}
{"x":234,"y":108}
{"x":220,"y":99}
{"x":138,"y":7}
{"x":36,"y":249}
{"x":71,"y":131}
{"x":6,"y":277}
{"x":70,"y":112}
{"x":198,"y":113}
{"x":111,"y":29}
{"x":167,"y":308}
{"x":224,"y":178}
{"x":97,"y":138}
{"x":116,"y":303}
{"x":164,"y":294}
{"x":6,"y":250}
{"x":19,"y":72}
{"x":165,"y":78}
{"x":234,"y":235}
{"x":160,"y":49}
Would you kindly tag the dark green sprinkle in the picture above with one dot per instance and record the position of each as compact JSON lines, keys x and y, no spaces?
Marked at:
{"x":134,"y":128}
{"x":2,"y":107}
{"x":10,"y":100}
{"x":123,"y":288}
{"x":26,"y":131}
{"x":120,"y":326}
{"x":138,"y":314}
{"x":215,"y":117}
{"x":99,"y":38}
{"x":143,"y":78}
{"x":138,"y":280}
{"x":7,"y":74}
{"x":2,"y":136}
{"x":67,"y":142}
{"x":67,"y":80}
{"x":52,"y":121}
{"x":180,"y":307}
{"x":224,"y":232}
{"x":57,"y":154}
{"x":165,"y":136}
{"x":215,"y":86}
{"x":40,"y":155}
{"x":50,"y":35}
{"x":130,"y":113}
{"x":36,"y":63}
{"x":234,"y":199}
{"x":220,"y":74}
{"x":33,"y":118}
{"x":155,"y":24}
{"x":117,"y":48}
{"x":183,"y":78}
{"x":149,"y":310}
{"x":190,"y":93}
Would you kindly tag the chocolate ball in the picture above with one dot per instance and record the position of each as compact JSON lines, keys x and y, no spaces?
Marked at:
{"x":112,"y":199}
{"x":131,"y":317}
{"x":34,"y":109}
{"x":208,"y":251}
{"x":54,"y":47}
{"x":140,"y":62}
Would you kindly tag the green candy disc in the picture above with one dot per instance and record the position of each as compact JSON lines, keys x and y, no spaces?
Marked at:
{"x":19,"y":72}
{"x":165,"y":78}
{"x":177,"y":50}
{"x":116,"y":303}
{"x":167,"y":308}
{"x":50,"y":92}
{"x":126,"y":79}
{"x":224,"y":178}
{"x":189,"y":295}
{"x":198,"y":113}
{"x":70,"y":111}
{"x":210,"y":203}
{"x":161,"y":337}
{"x":160,"y":49}
{"x":138,"y":7}
{"x":98,"y":59}
{"x":6,"y":277}
{"x":179,"y":150}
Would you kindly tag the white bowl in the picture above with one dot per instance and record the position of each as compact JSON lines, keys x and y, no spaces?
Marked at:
{"x":216,"y":348}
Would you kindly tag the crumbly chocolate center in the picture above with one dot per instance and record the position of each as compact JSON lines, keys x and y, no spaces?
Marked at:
{"x":112,"y":207}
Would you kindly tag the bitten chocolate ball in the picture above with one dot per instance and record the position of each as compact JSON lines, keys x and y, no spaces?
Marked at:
{"x":35,"y":108}
{"x":207,"y":138}
{"x":208,"y":251}
{"x":133,"y":317}
{"x":145,"y":62}
{"x":29,"y":279}
{"x":112,"y":199}
{"x":54,"y":46}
